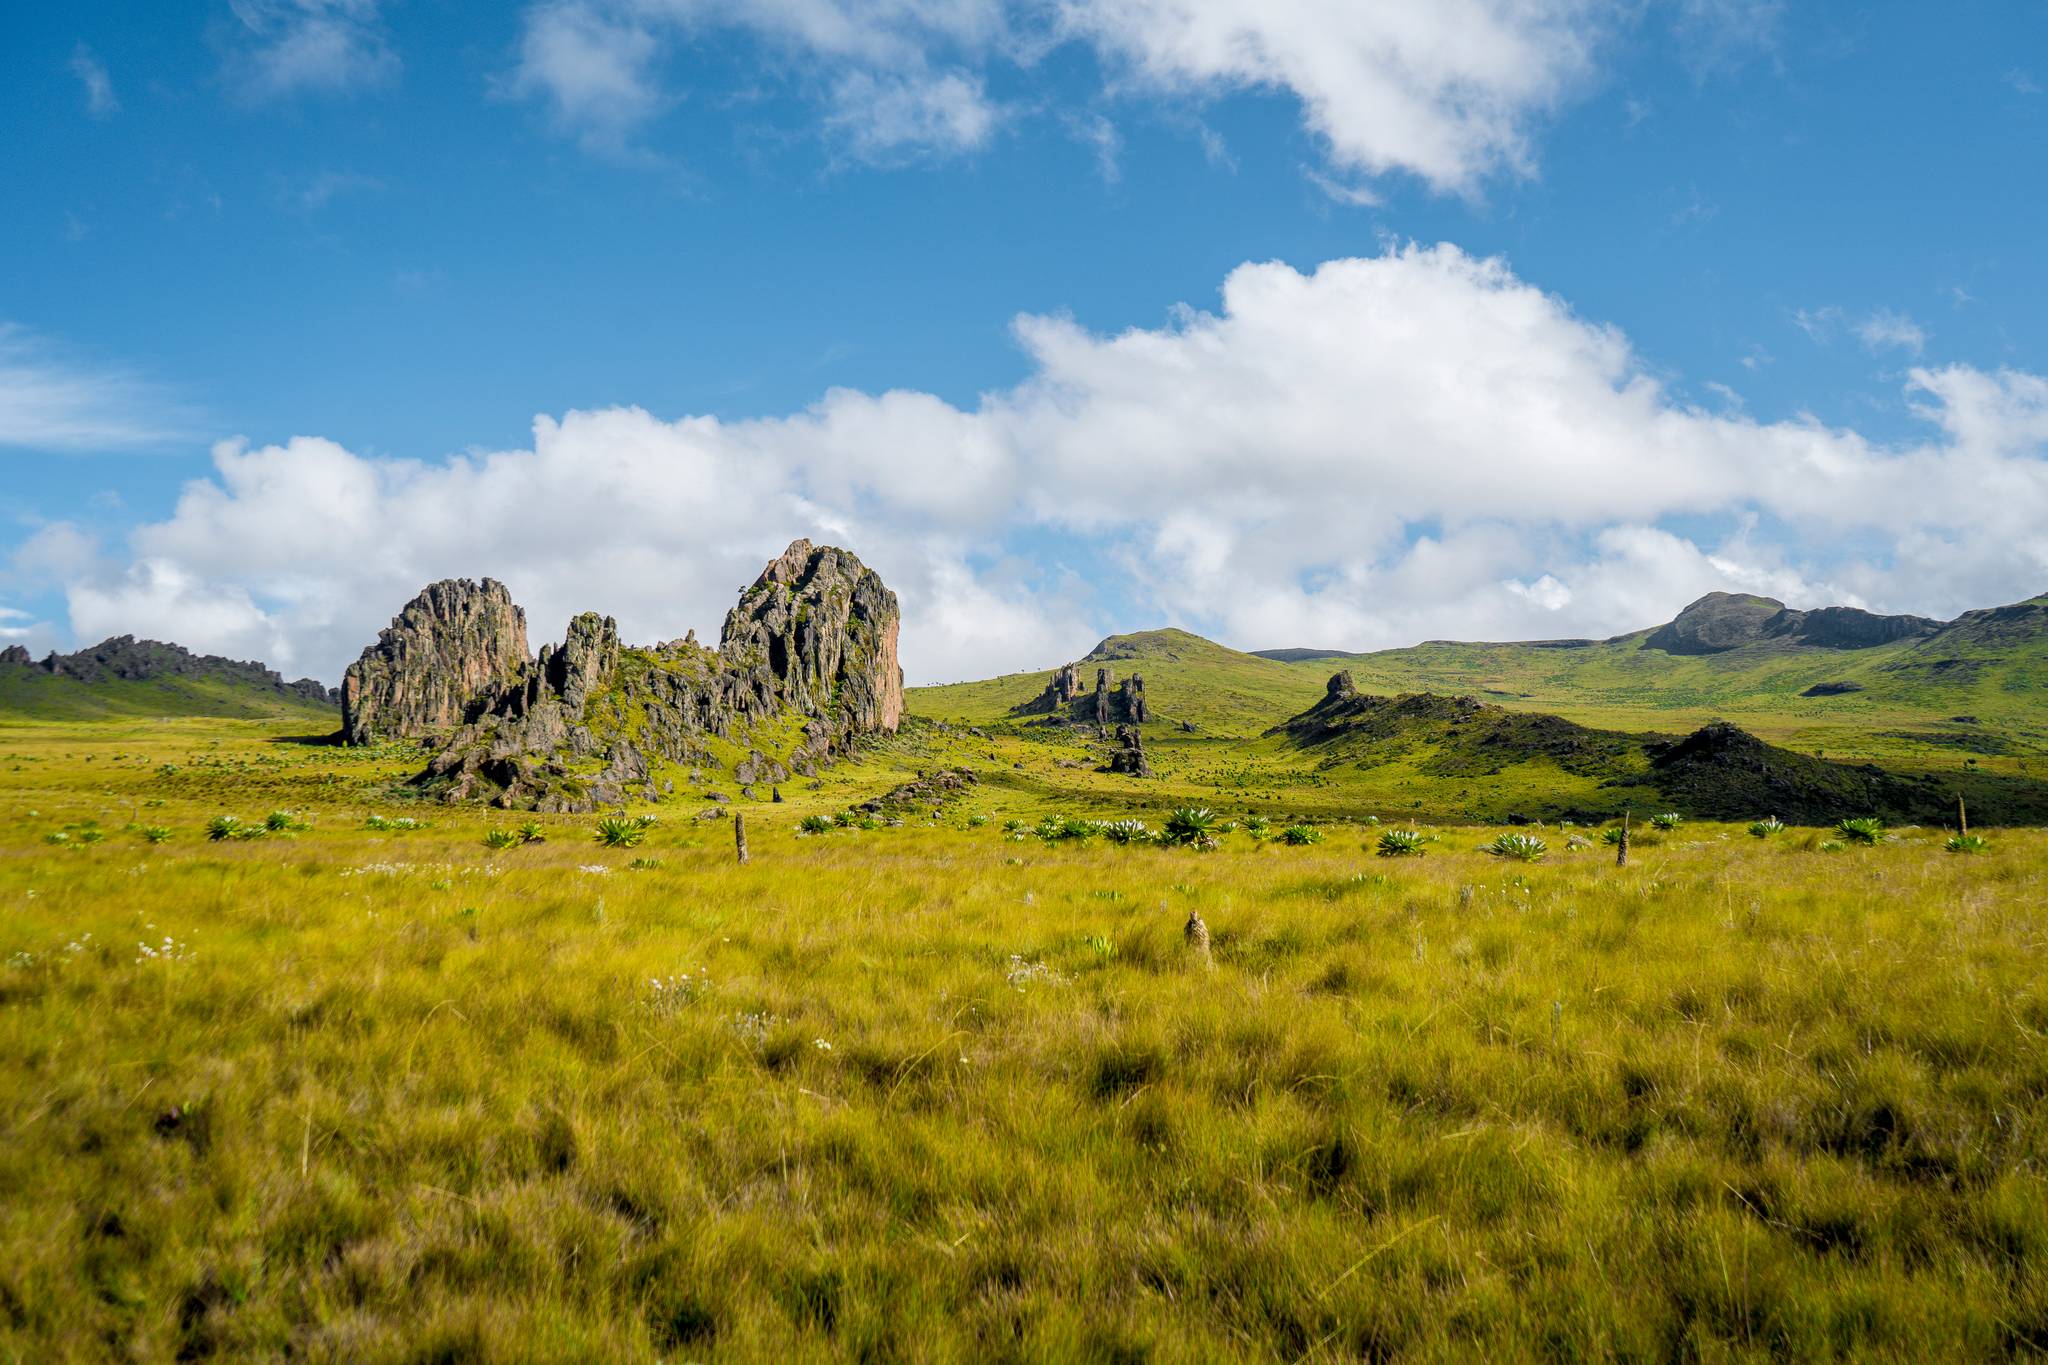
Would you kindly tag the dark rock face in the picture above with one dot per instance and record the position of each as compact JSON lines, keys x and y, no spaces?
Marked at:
{"x":454,"y":643}
{"x":125,"y":657}
{"x":1832,"y":689}
{"x":1129,"y":755}
{"x":586,"y":725}
{"x":1722,"y":621}
{"x":1341,"y":685}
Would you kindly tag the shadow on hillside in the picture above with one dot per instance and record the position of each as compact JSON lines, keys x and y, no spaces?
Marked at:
{"x":330,"y":740}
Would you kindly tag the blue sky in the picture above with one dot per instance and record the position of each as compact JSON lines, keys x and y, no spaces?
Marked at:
{"x":1748,"y":295}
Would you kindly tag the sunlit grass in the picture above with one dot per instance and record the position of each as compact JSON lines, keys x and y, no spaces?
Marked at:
{"x":937,"y":1092}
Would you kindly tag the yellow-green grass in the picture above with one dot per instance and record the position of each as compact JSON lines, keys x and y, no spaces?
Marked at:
{"x":932,"y":1092}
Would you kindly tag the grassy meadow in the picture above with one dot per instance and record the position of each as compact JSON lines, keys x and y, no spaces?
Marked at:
{"x":945,"y":1091}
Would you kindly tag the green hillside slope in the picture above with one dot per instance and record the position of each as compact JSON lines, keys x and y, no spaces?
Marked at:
{"x":1187,"y":678}
{"x":124,"y":677}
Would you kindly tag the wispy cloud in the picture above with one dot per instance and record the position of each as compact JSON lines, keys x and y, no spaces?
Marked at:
{"x":288,"y":47}
{"x":49,"y":401}
{"x":100,"y":99}
{"x":1887,"y":330}
{"x":2023,"y":82}
{"x":317,"y":191}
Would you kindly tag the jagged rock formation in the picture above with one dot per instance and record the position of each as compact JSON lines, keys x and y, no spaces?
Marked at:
{"x":1723,"y":621}
{"x":589,"y":721}
{"x":126,"y":658}
{"x":825,"y":628}
{"x":1128,"y":758}
{"x":454,"y":643}
{"x":1058,"y":694}
{"x":1121,"y":704}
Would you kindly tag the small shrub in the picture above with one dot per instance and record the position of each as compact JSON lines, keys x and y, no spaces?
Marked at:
{"x":616,"y":831}
{"x":1400,"y":843}
{"x":502,"y":838}
{"x":1299,"y":835}
{"x":1611,"y":835}
{"x":284,"y":822}
{"x":223,"y":827}
{"x":1968,"y":843}
{"x":848,"y":818}
{"x":532,"y":832}
{"x":1867,"y":830}
{"x":1765,"y":828}
{"x":57,"y":836}
{"x":815,"y":824}
{"x":977,"y":820}
{"x":1125,"y":831}
{"x":1521,"y":848}
{"x":647,"y":821}
{"x":1831,"y":846}
{"x":1190,"y":825}
{"x":644,"y":864}
{"x":1666,"y":822}
{"x":156,"y":834}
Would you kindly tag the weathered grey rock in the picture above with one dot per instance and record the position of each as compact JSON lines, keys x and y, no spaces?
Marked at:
{"x":456,"y":643}
{"x":815,"y":636}
{"x":824,"y":627}
{"x":17,"y":655}
{"x":1107,"y":705}
{"x":1129,"y":756}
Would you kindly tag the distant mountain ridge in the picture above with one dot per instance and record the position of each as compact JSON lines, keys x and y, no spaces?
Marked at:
{"x":126,"y":676}
{"x":1723,"y":621}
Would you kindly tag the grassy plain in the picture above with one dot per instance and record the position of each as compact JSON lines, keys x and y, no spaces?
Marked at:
{"x":938,"y":1092}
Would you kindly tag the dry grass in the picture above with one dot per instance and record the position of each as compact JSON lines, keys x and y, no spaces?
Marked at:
{"x":929,"y":1093}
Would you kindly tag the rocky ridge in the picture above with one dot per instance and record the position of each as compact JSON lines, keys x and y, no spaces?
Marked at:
{"x":127,"y":658}
{"x":589,"y":722}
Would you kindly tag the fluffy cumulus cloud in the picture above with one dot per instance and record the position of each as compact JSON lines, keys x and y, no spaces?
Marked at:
{"x":1445,"y":91}
{"x":1414,"y":445}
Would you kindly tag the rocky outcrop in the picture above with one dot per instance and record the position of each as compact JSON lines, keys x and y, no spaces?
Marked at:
{"x":824,"y":627}
{"x":1722,"y":621}
{"x":1059,"y":694}
{"x":1121,"y":704}
{"x":1128,"y":758}
{"x":590,"y":721}
{"x":456,"y":643}
{"x":1832,"y":689}
{"x":126,"y":658}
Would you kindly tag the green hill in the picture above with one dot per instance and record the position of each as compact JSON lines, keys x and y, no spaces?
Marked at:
{"x":1218,"y":690}
{"x":125,"y":677}
{"x":1948,"y":708}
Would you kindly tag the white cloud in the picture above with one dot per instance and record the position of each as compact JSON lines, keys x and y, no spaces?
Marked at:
{"x":1446,"y":91}
{"x":1887,"y":329}
{"x":286,"y":47}
{"x":1417,"y":444}
{"x":593,"y":69}
{"x":100,"y":99}
{"x":50,"y":401}
{"x":881,"y":117}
